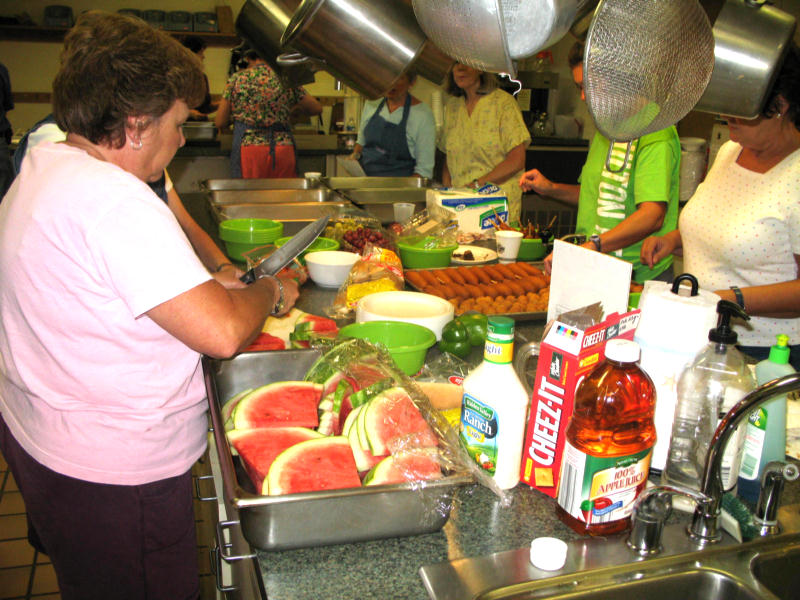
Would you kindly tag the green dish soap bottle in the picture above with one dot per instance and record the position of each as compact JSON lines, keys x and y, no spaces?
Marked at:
{"x":765,"y":435}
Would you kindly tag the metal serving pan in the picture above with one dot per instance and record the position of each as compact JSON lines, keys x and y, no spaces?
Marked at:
{"x":313,"y":518}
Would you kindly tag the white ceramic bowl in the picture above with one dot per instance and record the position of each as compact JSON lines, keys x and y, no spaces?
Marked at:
{"x":329,"y":268}
{"x":411,"y":307}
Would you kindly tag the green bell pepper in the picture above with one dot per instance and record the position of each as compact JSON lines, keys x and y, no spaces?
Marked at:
{"x":455,"y":339}
{"x":476,"y":324}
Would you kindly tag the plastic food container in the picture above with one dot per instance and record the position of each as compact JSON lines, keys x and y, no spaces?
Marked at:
{"x":242,"y":235}
{"x":330,"y":268}
{"x":407,"y":343}
{"x":411,"y":307}
{"x":321,"y":243}
{"x":425,"y":258}
{"x":531,"y":249}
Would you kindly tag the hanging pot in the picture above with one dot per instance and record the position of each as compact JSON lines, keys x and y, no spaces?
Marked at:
{"x":261,"y":24}
{"x":366,"y":44}
{"x":433,"y":64}
{"x":750,"y":41}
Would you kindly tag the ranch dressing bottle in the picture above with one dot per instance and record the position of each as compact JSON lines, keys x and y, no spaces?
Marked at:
{"x":494,"y":407}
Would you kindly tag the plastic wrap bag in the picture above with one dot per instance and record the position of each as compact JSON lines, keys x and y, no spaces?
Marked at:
{"x":430,"y":228}
{"x":354,"y":228}
{"x":378,"y":386}
{"x":378,"y":270}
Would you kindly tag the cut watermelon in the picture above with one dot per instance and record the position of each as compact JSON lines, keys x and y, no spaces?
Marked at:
{"x":361,"y":429}
{"x":391,"y":418}
{"x":350,"y":421}
{"x":365,"y":394}
{"x":226,"y":412}
{"x":280,"y":404}
{"x":330,"y":409}
{"x":308,"y":323}
{"x":265,"y":341}
{"x":326,"y":463}
{"x":259,"y":447}
{"x":365,"y":460}
{"x":416,"y":465}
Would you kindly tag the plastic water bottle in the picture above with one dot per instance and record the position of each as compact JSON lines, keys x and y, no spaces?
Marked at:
{"x":765,"y":433}
{"x":717,"y":378}
{"x":609,"y":442}
{"x":494,"y":407}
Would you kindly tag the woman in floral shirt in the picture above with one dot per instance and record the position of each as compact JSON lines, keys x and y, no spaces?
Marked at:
{"x":260,"y":106}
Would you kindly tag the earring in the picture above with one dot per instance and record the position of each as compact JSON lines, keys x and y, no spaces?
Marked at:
{"x":137,"y":145}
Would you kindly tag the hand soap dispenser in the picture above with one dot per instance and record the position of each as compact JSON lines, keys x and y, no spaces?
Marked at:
{"x":717,"y":378}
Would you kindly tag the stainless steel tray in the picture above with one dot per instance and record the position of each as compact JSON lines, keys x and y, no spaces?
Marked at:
{"x":313,"y":518}
{"x":517,"y":316}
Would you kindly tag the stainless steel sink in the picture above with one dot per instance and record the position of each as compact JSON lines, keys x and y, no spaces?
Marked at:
{"x":696,"y":584}
{"x":779,"y":571}
{"x":293,"y":183}
{"x":606,"y":569}
{"x":354,"y":183}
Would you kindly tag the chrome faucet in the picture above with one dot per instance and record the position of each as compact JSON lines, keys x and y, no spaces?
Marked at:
{"x":652,"y":507}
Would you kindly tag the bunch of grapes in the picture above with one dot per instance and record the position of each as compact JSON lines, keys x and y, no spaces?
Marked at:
{"x":358,"y":238}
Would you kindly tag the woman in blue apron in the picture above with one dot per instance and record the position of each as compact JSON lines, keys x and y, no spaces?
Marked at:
{"x":397,"y":137}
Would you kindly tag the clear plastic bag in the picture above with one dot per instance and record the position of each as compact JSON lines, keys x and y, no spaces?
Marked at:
{"x":378,"y":270}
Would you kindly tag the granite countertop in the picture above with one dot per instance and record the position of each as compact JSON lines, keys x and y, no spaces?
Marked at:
{"x":479,"y":524}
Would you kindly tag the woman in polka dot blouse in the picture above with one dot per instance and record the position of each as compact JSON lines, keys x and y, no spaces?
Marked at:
{"x":740,"y":232}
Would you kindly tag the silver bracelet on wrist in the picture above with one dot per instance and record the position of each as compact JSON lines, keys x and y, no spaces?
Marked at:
{"x":279,"y":304}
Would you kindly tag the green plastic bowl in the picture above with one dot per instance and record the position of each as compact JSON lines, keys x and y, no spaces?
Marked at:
{"x":321,"y":243}
{"x":532,"y":249}
{"x":407,"y":343}
{"x":250,"y":231}
{"x":425,"y":258}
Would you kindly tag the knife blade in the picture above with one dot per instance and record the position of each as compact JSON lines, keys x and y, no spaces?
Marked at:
{"x":288,"y":252}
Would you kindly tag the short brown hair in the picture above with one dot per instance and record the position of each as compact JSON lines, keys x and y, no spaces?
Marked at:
{"x":114,"y":66}
{"x":488,"y":83}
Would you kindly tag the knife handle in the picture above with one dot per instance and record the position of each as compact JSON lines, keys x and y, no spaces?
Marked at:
{"x":248,"y":277}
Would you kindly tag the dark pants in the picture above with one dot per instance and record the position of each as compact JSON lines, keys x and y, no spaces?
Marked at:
{"x":110,"y":541}
{"x":7,"y":173}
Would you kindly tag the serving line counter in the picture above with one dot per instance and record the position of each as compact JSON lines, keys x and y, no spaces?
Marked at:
{"x":478,"y":525}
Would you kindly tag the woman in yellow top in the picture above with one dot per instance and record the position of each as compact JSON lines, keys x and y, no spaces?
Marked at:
{"x":484,"y":136}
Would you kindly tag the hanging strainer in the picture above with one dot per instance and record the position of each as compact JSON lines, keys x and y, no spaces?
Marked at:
{"x":646,"y":64}
{"x":471,"y":31}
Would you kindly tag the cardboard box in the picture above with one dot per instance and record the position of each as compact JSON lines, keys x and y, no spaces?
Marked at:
{"x":475,"y":212}
{"x":566,"y":355}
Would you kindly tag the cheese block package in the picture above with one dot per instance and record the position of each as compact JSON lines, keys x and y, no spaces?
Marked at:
{"x":477,"y":212}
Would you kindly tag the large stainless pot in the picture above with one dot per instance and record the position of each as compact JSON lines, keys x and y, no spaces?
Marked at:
{"x":261,"y":24}
{"x":750,"y":41}
{"x":366,"y":44}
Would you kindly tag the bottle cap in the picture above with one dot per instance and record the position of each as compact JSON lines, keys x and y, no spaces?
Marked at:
{"x":620,"y":350}
{"x":501,"y":325}
{"x":779,"y":353}
{"x":548,"y":553}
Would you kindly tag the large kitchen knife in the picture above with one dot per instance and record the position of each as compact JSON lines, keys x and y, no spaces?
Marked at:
{"x":288,"y":252}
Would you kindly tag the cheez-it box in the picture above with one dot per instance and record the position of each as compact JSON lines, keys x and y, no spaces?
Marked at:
{"x":566,"y":355}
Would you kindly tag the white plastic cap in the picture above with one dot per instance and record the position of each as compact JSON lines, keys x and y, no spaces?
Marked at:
{"x":548,"y":554}
{"x":620,"y":350}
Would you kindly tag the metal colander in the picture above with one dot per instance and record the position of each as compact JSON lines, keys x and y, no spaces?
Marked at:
{"x":646,"y":64}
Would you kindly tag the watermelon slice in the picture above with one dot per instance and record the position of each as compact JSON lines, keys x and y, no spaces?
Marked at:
{"x":365,"y":460}
{"x":365,"y":394}
{"x":330,"y":408}
{"x":308,"y":323}
{"x":280,"y":404}
{"x":266,"y":341}
{"x":259,"y":447}
{"x":390,"y":418}
{"x":416,"y":465}
{"x":325,"y":463}
{"x":226,"y":412}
